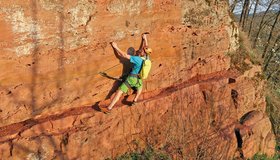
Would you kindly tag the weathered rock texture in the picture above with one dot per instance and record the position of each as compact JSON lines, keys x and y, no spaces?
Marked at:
{"x":194,"y":105}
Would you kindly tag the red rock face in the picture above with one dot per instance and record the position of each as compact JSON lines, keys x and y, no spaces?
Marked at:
{"x":194,"y":105}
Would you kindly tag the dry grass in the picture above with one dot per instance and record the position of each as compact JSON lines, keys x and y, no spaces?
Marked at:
{"x":245,"y":51}
{"x":246,"y":46}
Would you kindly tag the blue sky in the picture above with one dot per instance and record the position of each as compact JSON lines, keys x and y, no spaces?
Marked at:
{"x":261,"y":7}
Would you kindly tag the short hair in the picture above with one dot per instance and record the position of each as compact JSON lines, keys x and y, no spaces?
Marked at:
{"x":131,"y":51}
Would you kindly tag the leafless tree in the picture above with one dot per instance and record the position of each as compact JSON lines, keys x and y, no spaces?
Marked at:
{"x":255,"y":9}
{"x":262,"y":22}
{"x":270,"y":34}
{"x":233,"y":5}
{"x":271,"y":55}
{"x":248,"y":13}
{"x":244,"y":13}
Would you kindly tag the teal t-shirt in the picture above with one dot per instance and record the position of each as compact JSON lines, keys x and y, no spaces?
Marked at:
{"x":137,"y":64}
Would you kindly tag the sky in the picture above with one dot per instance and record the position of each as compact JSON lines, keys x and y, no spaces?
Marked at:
{"x":261,"y":7}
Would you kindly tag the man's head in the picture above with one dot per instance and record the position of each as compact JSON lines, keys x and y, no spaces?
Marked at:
{"x":131,"y":51}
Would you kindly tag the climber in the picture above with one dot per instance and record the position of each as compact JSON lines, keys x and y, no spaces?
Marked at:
{"x":133,"y":79}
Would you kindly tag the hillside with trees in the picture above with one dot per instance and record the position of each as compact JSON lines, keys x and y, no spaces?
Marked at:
{"x":260,"y":22}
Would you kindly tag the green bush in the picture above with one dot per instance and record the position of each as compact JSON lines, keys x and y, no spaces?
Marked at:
{"x":148,"y":154}
{"x":264,"y":157}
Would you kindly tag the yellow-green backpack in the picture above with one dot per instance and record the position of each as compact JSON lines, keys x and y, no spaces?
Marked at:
{"x":146,"y":67}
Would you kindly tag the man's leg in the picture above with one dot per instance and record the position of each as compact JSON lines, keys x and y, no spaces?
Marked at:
{"x":139,"y":86}
{"x":139,"y":90}
{"x":115,"y":99}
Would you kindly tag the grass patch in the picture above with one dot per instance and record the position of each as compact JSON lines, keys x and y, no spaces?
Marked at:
{"x":273,"y":110}
{"x":245,"y":46}
{"x":245,"y":51}
{"x":148,"y":154}
{"x":237,"y":60}
{"x":264,"y":157}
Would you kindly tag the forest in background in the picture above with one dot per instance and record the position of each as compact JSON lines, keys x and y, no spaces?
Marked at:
{"x":259,"y":22}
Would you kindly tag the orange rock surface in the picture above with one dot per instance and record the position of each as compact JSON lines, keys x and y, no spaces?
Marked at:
{"x":194,"y":103}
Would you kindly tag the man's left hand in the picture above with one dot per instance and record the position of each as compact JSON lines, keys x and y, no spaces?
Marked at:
{"x":144,"y":36}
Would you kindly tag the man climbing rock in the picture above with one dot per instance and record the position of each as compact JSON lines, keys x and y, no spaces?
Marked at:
{"x":133,"y":79}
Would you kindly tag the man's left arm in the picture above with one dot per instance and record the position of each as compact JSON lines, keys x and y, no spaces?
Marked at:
{"x":144,"y":36}
{"x":144,"y":42}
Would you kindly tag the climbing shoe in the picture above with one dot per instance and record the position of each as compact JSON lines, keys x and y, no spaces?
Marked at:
{"x":105,"y":110}
{"x":133,"y":103}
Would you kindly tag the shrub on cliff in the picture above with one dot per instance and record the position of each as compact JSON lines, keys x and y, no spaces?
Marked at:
{"x":264,"y":157}
{"x":148,"y":154}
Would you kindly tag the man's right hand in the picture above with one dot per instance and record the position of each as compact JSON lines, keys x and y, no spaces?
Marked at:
{"x":114,"y":44}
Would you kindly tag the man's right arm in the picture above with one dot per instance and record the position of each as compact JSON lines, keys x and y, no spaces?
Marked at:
{"x":119,"y":51}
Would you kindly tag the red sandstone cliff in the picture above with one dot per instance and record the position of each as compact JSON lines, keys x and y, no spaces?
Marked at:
{"x":194,"y":105}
